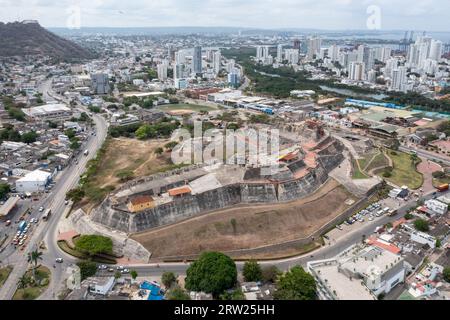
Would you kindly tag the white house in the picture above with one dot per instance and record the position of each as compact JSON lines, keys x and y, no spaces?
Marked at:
{"x":437,"y":206}
{"x":101,"y":286}
{"x":34,"y":181}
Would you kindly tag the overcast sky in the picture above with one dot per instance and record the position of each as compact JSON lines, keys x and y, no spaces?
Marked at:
{"x":430,"y":15}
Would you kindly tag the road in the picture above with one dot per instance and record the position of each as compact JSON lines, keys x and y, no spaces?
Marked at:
{"x":47,"y":231}
{"x":425,"y":154}
{"x":325,"y":252}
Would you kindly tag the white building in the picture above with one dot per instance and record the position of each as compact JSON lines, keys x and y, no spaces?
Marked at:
{"x":358,"y":273}
{"x":280,"y":53}
{"x":162,"y":71}
{"x":357,"y":71}
{"x":34,"y":181}
{"x":292,"y":56}
{"x":217,"y":62}
{"x":437,"y":206}
{"x":46,"y":112}
{"x":100,"y":285}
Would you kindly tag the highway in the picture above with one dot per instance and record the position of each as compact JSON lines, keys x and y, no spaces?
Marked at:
{"x":425,"y":154}
{"x":47,"y":231}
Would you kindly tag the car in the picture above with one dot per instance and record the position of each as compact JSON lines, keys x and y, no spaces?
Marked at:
{"x":59,"y":260}
{"x":125,"y":271}
{"x":8,"y":223}
{"x":110,"y":270}
{"x":338,"y":227}
{"x":370,"y":218}
{"x":25,"y":237}
{"x":120,"y":268}
{"x":66,"y":202}
{"x":41,"y":209}
{"x":102,"y":267}
{"x":36,"y":220}
{"x":21,"y":242}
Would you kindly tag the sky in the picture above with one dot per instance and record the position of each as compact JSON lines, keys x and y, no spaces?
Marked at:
{"x":429,"y":15}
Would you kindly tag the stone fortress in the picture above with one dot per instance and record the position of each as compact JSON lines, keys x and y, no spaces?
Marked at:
{"x":308,"y":156}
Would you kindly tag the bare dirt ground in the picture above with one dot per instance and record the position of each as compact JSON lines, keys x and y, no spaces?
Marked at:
{"x":248,"y":226}
{"x":131,"y":155}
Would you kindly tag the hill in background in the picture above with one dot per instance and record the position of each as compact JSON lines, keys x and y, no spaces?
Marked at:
{"x":29,"y":38}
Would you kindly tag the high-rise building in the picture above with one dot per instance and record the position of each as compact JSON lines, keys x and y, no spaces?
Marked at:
{"x":436,"y":50}
{"x":280,"y":53}
{"x":217,"y":62}
{"x":357,"y":71}
{"x":197,"y":60}
{"x":262,"y":53}
{"x":230,"y":65}
{"x":367,"y":56}
{"x":178,"y":71}
{"x":297,"y":44}
{"x":372,"y":76}
{"x":398,"y":78}
{"x":314,"y":45}
{"x":292,"y":56}
{"x":234,"y":78}
{"x":100,"y":83}
{"x":333,"y":53}
{"x":162,"y":71}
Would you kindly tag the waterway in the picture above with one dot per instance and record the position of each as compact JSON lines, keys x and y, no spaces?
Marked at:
{"x":349,"y":92}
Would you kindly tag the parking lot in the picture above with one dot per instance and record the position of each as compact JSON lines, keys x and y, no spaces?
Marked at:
{"x":370,"y":215}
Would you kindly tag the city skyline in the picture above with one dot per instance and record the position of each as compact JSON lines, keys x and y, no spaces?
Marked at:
{"x":429,"y":15}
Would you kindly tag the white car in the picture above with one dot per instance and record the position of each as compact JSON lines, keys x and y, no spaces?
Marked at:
{"x":59,"y":260}
{"x":41,"y":209}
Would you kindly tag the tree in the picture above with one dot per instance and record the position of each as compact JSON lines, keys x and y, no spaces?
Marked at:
{"x":213,"y":273}
{"x":421,"y":225}
{"x":296,"y":284}
{"x":446,"y":274}
{"x":87,"y":269}
{"x":252,"y":271}
{"x":4,"y":190}
{"x":75,"y":145}
{"x":29,"y":137}
{"x":117,"y":275}
{"x":234,"y":295}
{"x":159,"y":151}
{"x":94,"y":244}
{"x":168,"y":279}
{"x":270,"y":274}
{"x":23,"y":282}
{"x":134,"y":274}
{"x":34,"y":257}
{"x":76,"y":195}
{"x":177,"y":293}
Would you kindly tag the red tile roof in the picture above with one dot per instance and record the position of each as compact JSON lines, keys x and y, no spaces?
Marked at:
{"x":179,"y":191}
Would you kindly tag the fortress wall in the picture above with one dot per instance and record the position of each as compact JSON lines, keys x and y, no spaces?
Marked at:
{"x":259,"y":193}
{"x":185,"y":207}
{"x":189,"y":206}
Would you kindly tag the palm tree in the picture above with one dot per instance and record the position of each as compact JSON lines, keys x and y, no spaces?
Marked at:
{"x":34,"y":257}
{"x":23,"y":282}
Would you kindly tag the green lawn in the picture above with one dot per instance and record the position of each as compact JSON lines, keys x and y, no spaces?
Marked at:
{"x":33,"y":290}
{"x":405,"y":172}
{"x":357,"y":174}
{"x":4,"y":274}
{"x":379,"y":161}
{"x":185,"y":106}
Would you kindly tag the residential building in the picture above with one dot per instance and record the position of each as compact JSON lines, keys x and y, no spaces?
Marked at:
{"x":100,"y":83}
{"x":140,"y":203}
{"x":35,"y":181}
{"x":197,"y":60}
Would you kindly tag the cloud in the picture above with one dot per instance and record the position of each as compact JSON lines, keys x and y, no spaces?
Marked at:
{"x":320,"y":14}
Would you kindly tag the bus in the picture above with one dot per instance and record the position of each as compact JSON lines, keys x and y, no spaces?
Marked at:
{"x":392,"y":212}
{"x":47,"y":214}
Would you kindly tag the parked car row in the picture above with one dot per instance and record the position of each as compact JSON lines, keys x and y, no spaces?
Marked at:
{"x":372,"y":211}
